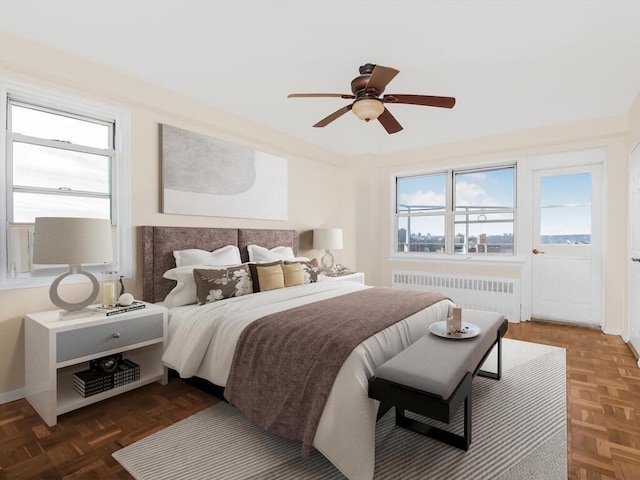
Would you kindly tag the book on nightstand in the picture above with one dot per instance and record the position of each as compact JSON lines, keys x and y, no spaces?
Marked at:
{"x":108,"y":311}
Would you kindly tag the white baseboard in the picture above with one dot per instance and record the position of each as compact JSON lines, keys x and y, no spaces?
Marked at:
{"x":7,"y":397}
{"x":613,"y":331}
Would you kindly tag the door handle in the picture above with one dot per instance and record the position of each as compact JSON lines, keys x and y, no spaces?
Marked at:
{"x":634,"y":259}
{"x":536,"y":251}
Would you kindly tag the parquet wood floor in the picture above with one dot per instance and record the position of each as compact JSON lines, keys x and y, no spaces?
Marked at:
{"x":603,"y":416}
{"x":603,"y":399}
{"x":80,"y":446}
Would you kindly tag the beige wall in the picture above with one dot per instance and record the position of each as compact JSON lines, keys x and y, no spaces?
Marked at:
{"x":320,"y":188}
{"x":322,"y":191}
{"x":374,"y":191}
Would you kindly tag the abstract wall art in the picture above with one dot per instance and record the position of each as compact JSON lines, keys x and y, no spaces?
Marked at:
{"x":202,"y":175}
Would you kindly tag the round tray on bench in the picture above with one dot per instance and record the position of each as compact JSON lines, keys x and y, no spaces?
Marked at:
{"x":440,"y":329}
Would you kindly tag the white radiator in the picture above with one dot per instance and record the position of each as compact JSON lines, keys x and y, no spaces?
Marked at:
{"x":501,"y":295}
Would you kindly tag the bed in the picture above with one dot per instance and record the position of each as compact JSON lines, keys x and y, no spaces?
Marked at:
{"x":202,"y":339}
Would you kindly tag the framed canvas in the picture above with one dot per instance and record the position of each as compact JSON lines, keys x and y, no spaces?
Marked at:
{"x":202,"y":175}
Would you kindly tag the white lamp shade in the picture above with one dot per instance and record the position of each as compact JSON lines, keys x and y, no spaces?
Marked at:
{"x":327,"y":238}
{"x":72,"y":241}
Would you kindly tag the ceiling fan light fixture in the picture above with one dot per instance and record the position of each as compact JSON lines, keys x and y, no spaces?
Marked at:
{"x":369,"y":104}
{"x":368,"y":109}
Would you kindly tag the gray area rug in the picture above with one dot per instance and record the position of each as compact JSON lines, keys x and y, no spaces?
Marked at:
{"x":519,"y":432}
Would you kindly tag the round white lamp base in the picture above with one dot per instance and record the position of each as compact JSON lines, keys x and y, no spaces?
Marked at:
{"x":72,"y":307}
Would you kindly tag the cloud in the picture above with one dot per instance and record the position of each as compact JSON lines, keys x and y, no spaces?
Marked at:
{"x":467,"y":194}
{"x":423,"y":198}
{"x":472,"y":194}
{"x":476,"y":176}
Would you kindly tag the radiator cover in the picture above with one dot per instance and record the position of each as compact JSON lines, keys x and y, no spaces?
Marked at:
{"x":492,"y":294}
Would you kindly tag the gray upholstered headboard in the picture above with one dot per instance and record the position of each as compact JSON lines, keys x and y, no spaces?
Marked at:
{"x":158,"y":244}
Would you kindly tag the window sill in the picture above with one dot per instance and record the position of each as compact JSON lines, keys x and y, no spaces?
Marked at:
{"x":516,"y":260}
{"x":46,"y":279}
{"x":20,"y":283}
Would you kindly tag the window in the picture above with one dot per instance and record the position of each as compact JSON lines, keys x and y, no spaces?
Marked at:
{"x":421,"y":209}
{"x":61,"y":165}
{"x":457,"y":212}
{"x":64,"y":157}
{"x":565,"y":209}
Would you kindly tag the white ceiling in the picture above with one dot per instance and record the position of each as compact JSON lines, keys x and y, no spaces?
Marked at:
{"x":511,"y":64}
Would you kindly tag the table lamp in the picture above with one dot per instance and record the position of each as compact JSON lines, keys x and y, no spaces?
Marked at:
{"x":73,"y":242}
{"x":327,"y":239}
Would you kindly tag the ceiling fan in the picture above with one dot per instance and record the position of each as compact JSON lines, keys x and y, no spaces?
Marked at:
{"x":369,"y":105}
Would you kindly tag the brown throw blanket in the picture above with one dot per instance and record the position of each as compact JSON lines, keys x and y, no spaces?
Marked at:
{"x":285,"y":364}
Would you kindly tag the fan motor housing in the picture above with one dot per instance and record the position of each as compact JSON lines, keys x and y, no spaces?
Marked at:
{"x":359,"y":84}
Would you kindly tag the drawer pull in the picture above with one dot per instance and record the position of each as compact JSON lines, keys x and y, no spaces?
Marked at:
{"x":116,"y":335}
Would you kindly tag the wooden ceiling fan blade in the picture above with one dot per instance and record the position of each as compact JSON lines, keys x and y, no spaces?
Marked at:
{"x":337,"y":114}
{"x":425,"y":100}
{"x":389,"y":122}
{"x":380,"y":78}
{"x":323,"y":95}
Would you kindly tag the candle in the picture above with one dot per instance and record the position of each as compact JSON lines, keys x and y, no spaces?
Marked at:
{"x":457,"y":319}
{"x":454,"y":321}
{"x":108,"y":294}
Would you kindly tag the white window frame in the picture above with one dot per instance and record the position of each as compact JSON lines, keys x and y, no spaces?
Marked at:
{"x":481,"y":211}
{"x":120,"y":174}
{"x":449,"y":255}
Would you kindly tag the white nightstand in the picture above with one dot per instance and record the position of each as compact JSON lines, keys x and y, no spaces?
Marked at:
{"x":351,"y":277}
{"x":56,"y":349}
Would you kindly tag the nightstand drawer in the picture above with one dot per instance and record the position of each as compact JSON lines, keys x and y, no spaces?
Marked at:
{"x":100,"y":338}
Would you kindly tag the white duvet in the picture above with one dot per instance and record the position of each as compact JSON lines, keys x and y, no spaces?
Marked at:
{"x":202,"y":340}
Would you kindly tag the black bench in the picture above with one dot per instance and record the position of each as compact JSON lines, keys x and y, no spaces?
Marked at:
{"x":433,"y":376}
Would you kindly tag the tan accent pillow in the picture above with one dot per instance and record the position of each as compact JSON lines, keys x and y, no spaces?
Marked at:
{"x":293,"y":274}
{"x":221,"y":283}
{"x":267,"y":276}
{"x":311,"y":269}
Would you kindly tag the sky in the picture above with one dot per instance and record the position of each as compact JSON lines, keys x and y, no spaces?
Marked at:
{"x":45,"y":167}
{"x":565,"y":201}
{"x":489,"y":189}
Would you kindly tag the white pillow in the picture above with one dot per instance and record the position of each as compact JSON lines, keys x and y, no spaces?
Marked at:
{"x":259,"y":254}
{"x":184,"y":293}
{"x":228,"y":255}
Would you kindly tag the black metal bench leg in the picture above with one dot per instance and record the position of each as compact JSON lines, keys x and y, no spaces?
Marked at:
{"x":467,"y":421}
{"x":499,"y":357}
{"x":498,"y":375}
{"x":459,"y":441}
{"x":382,"y":409}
